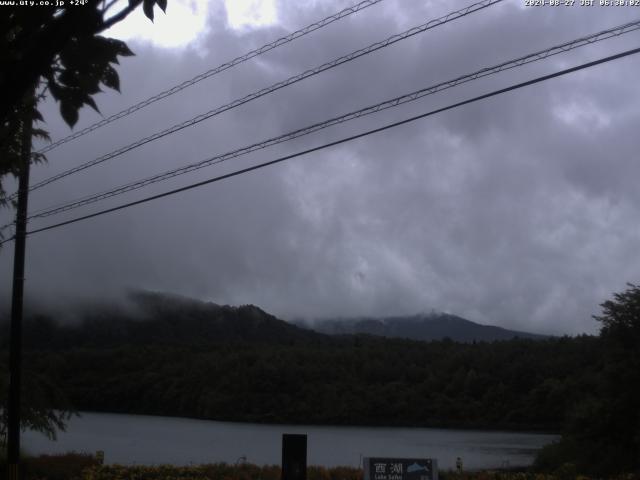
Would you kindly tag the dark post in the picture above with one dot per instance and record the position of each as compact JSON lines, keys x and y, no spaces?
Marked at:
{"x":294,"y":457}
{"x":15,"y":346}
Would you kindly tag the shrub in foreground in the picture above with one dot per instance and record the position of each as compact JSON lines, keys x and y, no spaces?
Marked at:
{"x":70,"y":466}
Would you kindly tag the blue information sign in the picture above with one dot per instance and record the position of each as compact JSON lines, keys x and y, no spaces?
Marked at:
{"x":377,"y":468}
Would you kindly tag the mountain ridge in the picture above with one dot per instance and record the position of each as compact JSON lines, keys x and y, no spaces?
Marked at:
{"x":150,"y":318}
{"x":433,"y":326}
{"x":147,"y":318}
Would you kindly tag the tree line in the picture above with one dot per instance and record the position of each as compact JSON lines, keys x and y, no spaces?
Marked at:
{"x":357,"y":380}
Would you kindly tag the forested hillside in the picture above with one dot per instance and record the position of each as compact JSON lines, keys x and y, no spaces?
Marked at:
{"x":147,"y":318}
{"x":368,"y":381}
{"x":169,"y":355}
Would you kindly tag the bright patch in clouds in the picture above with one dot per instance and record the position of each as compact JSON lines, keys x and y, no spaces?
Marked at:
{"x":184,"y":22}
{"x":243,"y":14}
{"x":582,"y":114}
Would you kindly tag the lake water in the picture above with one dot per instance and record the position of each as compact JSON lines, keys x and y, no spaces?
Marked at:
{"x":146,"y":440}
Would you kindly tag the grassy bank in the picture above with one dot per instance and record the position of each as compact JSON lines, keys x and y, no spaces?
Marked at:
{"x":75,"y":466}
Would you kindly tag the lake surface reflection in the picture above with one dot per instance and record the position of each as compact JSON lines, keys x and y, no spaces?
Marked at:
{"x":146,"y":440}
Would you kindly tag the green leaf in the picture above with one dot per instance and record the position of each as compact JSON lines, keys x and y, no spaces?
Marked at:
{"x":37,"y":115}
{"x":38,"y":157}
{"x":69,"y":112}
{"x":68,"y":78}
{"x":110,"y":78}
{"x":40,"y":133}
{"x":55,"y":89}
{"x":147,"y":6}
{"x":120,"y":47}
{"x":98,"y":50}
{"x":92,"y":103}
{"x":72,"y":53}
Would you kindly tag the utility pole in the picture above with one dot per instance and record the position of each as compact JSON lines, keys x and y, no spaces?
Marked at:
{"x":15,"y":346}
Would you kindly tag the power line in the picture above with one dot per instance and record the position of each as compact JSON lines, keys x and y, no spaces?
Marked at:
{"x":609,"y":33}
{"x":394,"y":102}
{"x":277,"y":86}
{"x":214,"y":71}
{"x":343,"y":140}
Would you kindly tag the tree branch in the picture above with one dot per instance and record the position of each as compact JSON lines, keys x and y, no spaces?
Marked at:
{"x":119,"y":16}
{"x":108,"y":6}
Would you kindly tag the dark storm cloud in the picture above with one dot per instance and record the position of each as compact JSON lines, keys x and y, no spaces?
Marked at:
{"x":517,"y":211}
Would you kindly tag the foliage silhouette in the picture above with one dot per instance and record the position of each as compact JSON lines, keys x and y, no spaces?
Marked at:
{"x":56,"y":49}
{"x":602,"y":434}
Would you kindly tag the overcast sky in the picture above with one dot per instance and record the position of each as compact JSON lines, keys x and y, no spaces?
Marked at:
{"x":519,"y":211}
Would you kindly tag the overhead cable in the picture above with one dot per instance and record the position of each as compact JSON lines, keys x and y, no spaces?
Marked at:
{"x":214,"y":71}
{"x":394,"y":102}
{"x":343,"y":140}
{"x":277,"y":86}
